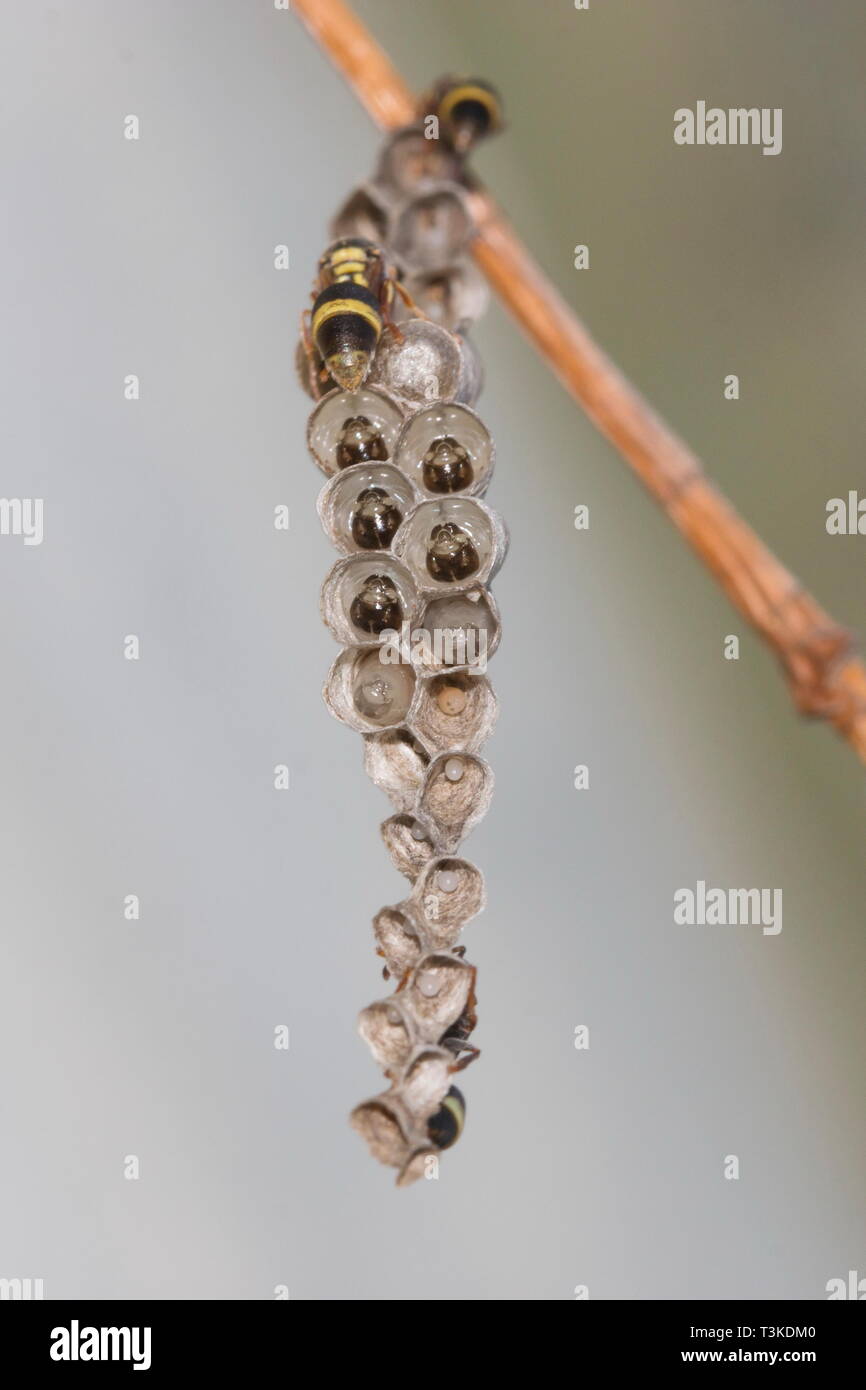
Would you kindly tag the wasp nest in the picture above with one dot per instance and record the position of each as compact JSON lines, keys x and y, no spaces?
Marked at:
{"x":407,"y":462}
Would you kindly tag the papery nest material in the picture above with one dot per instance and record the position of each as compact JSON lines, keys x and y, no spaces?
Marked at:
{"x":450,"y":298}
{"x":409,"y":163}
{"x":431,"y":231}
{"x":387,"y":1033}
{"x":453,"y":713}
{"x":447,"y":894}
{"x":399,"y":938}
{"x":452,"y":805}
{"x":410,"y":843}
{"x":417,"y":363}
{"x":397,"y":763}
{"x":456,"y":632}
{"x":367,"y":212}
{"x":436,"y":993}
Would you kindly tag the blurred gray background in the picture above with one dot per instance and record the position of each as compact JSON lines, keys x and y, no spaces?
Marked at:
{"x":155,"y":1038}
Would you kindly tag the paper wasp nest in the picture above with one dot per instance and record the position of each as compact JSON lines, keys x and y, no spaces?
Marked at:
{"x":407,"y":462}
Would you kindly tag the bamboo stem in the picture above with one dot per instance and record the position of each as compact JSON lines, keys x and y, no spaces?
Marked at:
{"x":827,"y":681}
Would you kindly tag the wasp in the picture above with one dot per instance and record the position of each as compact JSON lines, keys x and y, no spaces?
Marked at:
{"x":467,"y":110}
{"x":352,"y":299}
{"x":445,"y":1127}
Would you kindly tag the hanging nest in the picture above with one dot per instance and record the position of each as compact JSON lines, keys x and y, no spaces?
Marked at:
{"x":407,"y":461}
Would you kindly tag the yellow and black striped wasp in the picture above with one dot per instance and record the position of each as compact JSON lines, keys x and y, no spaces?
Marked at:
{"x":352,"y":299}
{"x":467,"y":110}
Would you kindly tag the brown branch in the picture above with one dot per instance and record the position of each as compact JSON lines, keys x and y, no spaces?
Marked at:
{"x":827,"y":681}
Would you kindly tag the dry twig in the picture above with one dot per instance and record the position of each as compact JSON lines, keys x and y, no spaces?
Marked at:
{"x":827,"y":681}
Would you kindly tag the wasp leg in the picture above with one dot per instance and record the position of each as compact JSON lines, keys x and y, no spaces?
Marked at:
{"x":408,"y":300}
{"x":310,"y":351}
{"x":317,"y":375}
{"x":461,"y":1061}
{"x":386,"y":299}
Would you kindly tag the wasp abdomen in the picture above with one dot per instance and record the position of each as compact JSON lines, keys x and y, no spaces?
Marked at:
{"x":346,"y":324}
{"x":468,"y":110}
{"x":446,"y":1126}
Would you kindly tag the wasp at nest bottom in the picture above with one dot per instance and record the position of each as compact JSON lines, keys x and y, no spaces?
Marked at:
{"x":352,"y":299}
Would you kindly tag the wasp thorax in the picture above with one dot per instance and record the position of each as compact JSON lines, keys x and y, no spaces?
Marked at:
{"x":375,"y":519}
{"x":451,"y":556}
{"x":377,"y":606}
{"x":360,"y":441}
{"x":446,"y":466}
